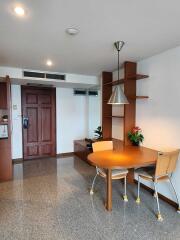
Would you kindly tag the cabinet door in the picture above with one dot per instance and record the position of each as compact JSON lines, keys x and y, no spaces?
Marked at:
{"x":3,"y":95}
{"x":5,"y":160}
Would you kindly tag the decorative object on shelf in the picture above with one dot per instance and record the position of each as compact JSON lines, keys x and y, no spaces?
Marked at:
{"x":118,"y":96}
{"x":3,"y":131}
{"x":5,"y":118}
{"x":135,"y":136}
{"x":89,"y":143}
{"x":98,"y":133}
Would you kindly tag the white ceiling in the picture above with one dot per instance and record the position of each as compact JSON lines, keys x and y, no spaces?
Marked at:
{"x":147,"y":27}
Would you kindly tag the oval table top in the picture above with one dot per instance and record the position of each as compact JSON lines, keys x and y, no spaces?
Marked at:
{"x":125,"y":157}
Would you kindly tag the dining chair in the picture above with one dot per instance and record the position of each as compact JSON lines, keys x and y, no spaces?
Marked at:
{"x":116,"y":173}
{"x":162,"y":171}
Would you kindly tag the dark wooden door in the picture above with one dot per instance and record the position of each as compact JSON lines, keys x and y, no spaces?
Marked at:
{"x":39,"y":124}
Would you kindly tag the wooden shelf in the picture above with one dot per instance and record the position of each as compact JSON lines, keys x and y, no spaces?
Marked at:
{"x":3,"y":123}
{"x":138,"y":77}
{"x":142,"y":97}
{"x":138,"y":97}
{"x":114,"y":116}
{"x":121,"y":81}
{"x":113,"y":83}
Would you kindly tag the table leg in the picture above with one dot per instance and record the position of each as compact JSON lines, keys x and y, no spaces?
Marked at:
{"x":109,"y":190}
{"x":130,"y":176}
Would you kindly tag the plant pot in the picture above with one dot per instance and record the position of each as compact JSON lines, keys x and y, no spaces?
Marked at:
{"x":135,"y":143}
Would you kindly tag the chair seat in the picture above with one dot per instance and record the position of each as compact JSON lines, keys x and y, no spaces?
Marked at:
{"x":115,"y":172}
{"x":147,"y":172}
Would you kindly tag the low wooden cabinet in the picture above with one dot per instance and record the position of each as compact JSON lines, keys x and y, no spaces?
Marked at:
{"x":81,"y":150}
{"x":5,"y":160}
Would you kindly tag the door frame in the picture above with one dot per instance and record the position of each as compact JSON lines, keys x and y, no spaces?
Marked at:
{"x":53,"y":89}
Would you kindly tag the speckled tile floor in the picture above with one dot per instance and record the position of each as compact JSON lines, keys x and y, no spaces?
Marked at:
{"x":48,"y":199}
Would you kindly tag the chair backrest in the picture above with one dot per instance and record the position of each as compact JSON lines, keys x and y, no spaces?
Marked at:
{"x":102,"y":146}
{"x":166,"y":163}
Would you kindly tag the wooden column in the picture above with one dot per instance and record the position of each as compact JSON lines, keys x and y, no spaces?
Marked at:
{"x":130,"y":92}
{"x":106,"y":108}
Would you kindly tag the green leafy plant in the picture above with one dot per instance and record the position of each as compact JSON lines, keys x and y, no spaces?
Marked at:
{"x":98,"y":132}
{"x":5,"y":118}
{"x":135,"y":136}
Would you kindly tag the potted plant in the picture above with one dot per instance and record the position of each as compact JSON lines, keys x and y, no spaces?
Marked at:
{"x":98,"y":133}
{"x":135,"y":136}
{"x":5,"y":118}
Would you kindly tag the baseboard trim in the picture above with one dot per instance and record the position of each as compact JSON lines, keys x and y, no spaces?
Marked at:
{"x":68,"y":154}
{"x":17,"y":160}
{"x":20,"y":160}
{"x":165,"y":199}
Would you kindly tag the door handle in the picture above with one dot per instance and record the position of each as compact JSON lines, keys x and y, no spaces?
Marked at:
{"x":25,"y":122}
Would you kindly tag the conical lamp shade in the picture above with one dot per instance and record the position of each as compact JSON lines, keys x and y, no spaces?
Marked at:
{"x":118,"y":97}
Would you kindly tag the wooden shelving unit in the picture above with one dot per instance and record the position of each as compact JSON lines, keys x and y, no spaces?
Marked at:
{"x":106,"y":108}
{"x":129,"y":81}
{"x":5,"y":144}
{"x":122,"y":81}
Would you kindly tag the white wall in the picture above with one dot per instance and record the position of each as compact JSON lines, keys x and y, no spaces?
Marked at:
{"x":72,"y":80}
{"x":159,"y":117}
{"x":71,"y":119}
{"x":12,"y":72}
{"x":72,"y":116}
{"x":16,"y":122}
{"x":71,"y":111}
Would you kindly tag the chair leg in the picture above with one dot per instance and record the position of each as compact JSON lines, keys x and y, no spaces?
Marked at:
{"x":92,"y":187}
{"x":154,"y":195}
{"x":138,"y":200}
{"x":159,"y":217}
{"x":175,"y":195}
{"x":125,"y":191}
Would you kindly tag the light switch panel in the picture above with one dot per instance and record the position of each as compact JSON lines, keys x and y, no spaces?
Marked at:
{"x":14,"y":107}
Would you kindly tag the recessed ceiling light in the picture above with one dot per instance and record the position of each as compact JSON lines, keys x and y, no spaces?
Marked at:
{"x":49,"y":63}
{"x":72,"y":31}
{"x":19,"y":11}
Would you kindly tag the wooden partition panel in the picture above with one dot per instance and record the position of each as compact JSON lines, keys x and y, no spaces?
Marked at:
{"x":106,"y":108}
{"x":129,"y":82}
{"x":130,"y":92}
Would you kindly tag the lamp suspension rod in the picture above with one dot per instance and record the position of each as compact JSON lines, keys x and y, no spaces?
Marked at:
{"x":118,"y":63}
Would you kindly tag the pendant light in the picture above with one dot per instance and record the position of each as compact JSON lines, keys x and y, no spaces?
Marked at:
{"x":118,"y":96}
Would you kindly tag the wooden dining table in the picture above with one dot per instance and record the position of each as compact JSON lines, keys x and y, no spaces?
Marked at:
{"x":125,"y":157}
